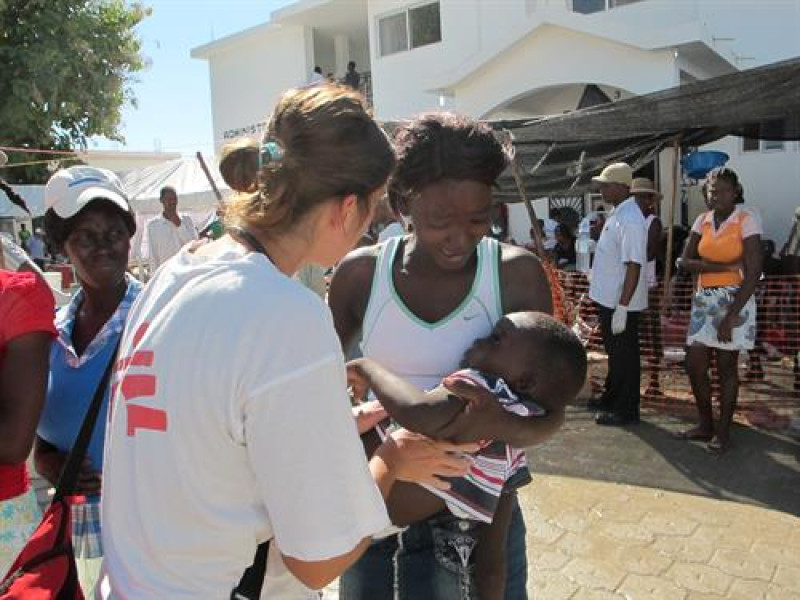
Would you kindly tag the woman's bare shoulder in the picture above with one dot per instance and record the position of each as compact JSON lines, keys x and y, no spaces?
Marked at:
{"x":523,"y":281}
{"x":358,"y":264}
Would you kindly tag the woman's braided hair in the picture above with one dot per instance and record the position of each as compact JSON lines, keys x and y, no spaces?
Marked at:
{"x":15,"y":198}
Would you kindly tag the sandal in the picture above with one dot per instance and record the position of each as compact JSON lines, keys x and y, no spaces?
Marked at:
{"x":717,"y":447}
{"x":695,"y":434}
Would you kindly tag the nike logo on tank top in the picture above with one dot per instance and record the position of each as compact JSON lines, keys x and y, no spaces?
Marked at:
{"x":425,"y":352}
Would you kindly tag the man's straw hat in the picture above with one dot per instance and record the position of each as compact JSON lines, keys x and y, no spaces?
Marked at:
{"x":643,"y":185}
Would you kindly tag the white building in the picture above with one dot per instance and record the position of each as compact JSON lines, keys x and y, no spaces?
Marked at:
{"x":514,"y":59}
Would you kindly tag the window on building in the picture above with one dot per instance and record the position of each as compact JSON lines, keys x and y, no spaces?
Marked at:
{"x":393,"y":34}
{"x":414,"y":27}
{"x":616,"y":3}
{"x":750,"y":144}
{"x":753,"y":143}
{"x":587,"y":7}
{"x":425,"y":25}
{"x":772,"y":144}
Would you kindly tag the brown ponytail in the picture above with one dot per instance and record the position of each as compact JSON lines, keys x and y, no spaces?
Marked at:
{"x":321,"y":143}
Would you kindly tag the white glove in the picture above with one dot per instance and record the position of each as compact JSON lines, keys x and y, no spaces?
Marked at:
{"x":619,"y":319}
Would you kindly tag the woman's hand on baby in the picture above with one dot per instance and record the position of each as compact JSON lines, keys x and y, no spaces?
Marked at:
{"x":419,"y":459}
{"x":368,"y":414}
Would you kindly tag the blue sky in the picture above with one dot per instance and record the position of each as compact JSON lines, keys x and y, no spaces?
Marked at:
{"x":174,"y":104}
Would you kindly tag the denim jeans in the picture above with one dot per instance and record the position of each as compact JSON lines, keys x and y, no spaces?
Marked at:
{"x":431,"y":560}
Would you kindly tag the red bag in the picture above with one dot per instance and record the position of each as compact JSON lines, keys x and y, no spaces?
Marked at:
{"x":45,"y":569}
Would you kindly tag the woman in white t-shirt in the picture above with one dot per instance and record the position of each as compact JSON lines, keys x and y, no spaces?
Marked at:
{"x":231,"y":424}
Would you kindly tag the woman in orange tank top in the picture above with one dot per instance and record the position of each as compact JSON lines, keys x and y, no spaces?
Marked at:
{"x":724,"y":252}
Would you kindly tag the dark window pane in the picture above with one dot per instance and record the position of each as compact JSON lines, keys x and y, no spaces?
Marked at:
{"x":588,"y":6}
{"x":750,"y":144}
{"x":393,"y":35}
{"x":425,"y":25}
{"x":773,"y":145}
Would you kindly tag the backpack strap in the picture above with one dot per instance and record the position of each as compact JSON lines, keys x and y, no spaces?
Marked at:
{"x":68,"y":479}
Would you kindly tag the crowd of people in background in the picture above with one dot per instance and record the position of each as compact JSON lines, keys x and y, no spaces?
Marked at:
{"x":351,"y":78}
{"x":225,"y":365}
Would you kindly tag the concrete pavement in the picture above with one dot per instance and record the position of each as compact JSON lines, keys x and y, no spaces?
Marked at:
{"x":634,"y":513}
{"x":591,"y":539}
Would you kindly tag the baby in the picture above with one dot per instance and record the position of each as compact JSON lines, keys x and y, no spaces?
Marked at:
{"x":532,"y":364}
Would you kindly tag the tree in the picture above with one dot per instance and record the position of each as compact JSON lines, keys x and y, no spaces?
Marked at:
{"x":66,"y":72}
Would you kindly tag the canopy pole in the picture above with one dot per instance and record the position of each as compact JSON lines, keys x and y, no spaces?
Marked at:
{"x":676,"y":145}
{"x":538,"y":237}
{"x":210,"y":179}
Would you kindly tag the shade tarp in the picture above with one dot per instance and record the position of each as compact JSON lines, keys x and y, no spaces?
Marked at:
{"x":559,"y":154}
{"x":195,"y":193}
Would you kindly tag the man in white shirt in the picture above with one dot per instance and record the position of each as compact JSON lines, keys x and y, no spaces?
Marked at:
{"x":168,"y":232}
{"x":316,"y":76}
{"x":619,"y":289}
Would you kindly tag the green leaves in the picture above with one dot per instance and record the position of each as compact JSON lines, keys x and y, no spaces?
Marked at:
{"x":66,"y":69}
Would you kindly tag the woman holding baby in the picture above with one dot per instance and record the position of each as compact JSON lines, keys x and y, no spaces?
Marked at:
{"x":418,"y":302}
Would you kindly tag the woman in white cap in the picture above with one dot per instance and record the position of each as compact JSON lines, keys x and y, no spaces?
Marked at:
{"x":88,"y":219}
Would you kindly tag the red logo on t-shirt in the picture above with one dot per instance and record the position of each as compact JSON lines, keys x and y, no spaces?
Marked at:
{"x":139,"y":386}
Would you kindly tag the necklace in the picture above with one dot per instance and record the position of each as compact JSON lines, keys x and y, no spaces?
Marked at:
{"x":251,"y":240}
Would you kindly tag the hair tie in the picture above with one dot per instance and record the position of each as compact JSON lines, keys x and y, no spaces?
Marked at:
{"x":271,"y":152}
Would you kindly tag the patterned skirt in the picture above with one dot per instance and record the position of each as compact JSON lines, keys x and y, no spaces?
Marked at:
{"x":709,"y":307}
{"x":19,"y":517}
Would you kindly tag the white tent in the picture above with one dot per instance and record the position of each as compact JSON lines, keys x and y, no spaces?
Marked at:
{"x":33,"y":196}
{"x":195,"y":194}
{"x":143,"y":187}
{"x":185,"y":175}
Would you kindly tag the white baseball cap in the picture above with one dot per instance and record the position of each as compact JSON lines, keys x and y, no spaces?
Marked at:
{"x":70,"y":190}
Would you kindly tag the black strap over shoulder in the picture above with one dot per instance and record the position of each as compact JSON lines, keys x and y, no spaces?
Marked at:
{"x":72,"y":466}
{"x":252,"y":581}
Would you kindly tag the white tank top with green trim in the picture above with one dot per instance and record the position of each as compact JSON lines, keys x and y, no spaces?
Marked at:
{"x":425,"y":352}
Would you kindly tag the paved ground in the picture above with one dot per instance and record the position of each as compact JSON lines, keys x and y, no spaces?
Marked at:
{"x":634,"y":513}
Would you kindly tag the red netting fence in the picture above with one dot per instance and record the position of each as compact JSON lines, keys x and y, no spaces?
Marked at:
{"x":769,"y":394}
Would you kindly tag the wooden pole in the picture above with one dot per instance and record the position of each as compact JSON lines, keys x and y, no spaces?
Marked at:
{"x":211,"y":181}
{"x":538,"y":236}
{"x":676,"y":165}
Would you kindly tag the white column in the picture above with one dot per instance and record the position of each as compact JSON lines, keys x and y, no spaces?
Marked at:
{"x":341,"y":48}
{"x":308,"y":39}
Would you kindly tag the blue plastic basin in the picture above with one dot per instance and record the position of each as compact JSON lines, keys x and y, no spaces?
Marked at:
{"x":696,"y":165}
